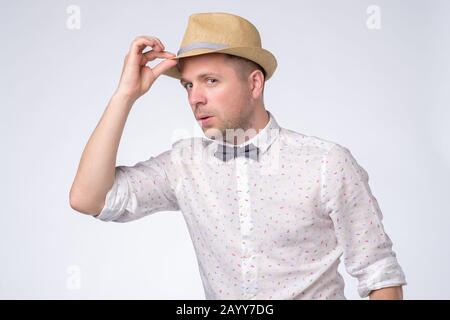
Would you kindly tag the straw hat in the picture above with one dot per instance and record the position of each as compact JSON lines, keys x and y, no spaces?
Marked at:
{"x":218,"y":32}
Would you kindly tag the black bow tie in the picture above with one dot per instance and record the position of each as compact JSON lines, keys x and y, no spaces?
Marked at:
{"x":225,"y":152}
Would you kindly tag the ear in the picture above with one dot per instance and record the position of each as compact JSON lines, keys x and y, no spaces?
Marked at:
{"x":256,"y":82}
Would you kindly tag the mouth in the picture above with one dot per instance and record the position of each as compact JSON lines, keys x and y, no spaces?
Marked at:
{"x":203,"y":117}
{"x":204,"y":120}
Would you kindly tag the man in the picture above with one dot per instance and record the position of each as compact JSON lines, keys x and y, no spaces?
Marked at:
{"x":269,"y":210}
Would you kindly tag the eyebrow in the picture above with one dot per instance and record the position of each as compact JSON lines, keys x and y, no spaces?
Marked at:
{"x":200,"y":76}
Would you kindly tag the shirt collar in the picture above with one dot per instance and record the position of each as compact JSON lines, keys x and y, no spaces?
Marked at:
{"x":263,"y":139}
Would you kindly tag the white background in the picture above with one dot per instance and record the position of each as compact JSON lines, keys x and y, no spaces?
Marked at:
{"x":382,"y":93}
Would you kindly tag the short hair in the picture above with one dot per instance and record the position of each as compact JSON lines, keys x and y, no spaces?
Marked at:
{"x":244,"y":66}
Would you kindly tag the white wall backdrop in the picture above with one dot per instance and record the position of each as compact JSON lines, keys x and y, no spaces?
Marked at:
{"x":376,"y":84}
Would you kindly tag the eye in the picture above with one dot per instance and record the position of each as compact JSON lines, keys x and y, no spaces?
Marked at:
{"x":188,"y":83}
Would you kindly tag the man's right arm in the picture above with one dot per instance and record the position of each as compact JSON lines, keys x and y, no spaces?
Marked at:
{"x":96,"y":171}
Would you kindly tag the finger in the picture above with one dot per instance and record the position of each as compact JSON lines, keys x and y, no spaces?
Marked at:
{"x":155,"y":38}
{"x":150,"y":75}
{"x":139,"y":44}
{"x":154,"y":45}
{"x":152,"y":55}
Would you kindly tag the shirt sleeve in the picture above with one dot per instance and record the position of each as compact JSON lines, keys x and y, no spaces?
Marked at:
{"x":140,"y":190}
{"x":357,"y":219}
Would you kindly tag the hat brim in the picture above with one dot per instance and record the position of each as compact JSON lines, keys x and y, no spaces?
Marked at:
{"x":259,"y":55}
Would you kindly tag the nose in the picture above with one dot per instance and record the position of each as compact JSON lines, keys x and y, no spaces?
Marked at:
{"x":196,"y":96}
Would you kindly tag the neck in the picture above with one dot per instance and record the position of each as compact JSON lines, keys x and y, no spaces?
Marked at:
{"x":258,"y":120}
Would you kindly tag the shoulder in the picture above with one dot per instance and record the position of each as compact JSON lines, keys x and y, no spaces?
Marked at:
{"x":186,"y":148}
{"x":186,"y":144}
{"x":311,"y":144}
{"x":333,"y":157}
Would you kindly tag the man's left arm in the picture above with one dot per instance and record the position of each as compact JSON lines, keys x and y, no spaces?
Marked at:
{"x":357,"y":220}
{"x":389,"y":293}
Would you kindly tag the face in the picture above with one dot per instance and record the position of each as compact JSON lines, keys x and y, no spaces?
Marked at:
{"x":214,"y":89}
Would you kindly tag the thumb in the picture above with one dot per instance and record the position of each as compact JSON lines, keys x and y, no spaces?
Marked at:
{"x":163,"y":66}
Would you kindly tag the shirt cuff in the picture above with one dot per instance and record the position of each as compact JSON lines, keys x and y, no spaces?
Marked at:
{"x":116,"y":200}
{"x":384,"y":273}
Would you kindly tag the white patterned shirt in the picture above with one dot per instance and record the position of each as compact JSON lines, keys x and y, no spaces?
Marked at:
{"x":272,"y":228}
